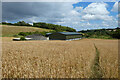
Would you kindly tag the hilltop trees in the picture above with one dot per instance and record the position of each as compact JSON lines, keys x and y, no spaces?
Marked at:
{"x":22,"y":23}
{"x":57,"y":28}
{"x":5,"y":23}
{"x":116,"y":34}
{"x":102,"y":33}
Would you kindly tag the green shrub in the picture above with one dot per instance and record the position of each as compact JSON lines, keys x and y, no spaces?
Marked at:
{"x":22,"y":23}
{"x":25,"y":33}
{"x":22,"y":33}
{"x":36,"y":32}
{"x":16,"y":35}
{"x":116,"y":34}
{"x":22,"y":38}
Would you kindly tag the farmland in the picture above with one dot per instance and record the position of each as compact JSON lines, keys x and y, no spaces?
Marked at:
{"x":60,"y":59}
{"x":8,"y":31}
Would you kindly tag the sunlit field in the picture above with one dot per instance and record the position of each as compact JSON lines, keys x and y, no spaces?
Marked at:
{"x":108,"y":57}
{"x":60,"y":59}
{"x":8,"y":30}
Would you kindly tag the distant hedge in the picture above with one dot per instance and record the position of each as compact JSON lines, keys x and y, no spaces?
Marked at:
{"x":20,"y":23}
{"x":57,"y":28}
{"x":116,"y":34}
{"x":5,"y":23}
{"x":102,"y":33}
{"x":36,"y":32}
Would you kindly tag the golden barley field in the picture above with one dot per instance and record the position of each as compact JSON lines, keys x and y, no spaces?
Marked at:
{"x":58,"y":59}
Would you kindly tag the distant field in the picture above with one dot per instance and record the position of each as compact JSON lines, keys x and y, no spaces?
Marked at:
{"x":60,"y":59}
{"x":8,"y":31}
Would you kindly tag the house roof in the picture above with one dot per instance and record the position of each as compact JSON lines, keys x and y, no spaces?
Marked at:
{"x":70,"y":33}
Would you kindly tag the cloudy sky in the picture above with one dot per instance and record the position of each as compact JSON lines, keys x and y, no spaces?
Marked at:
{"x":78,"y":15}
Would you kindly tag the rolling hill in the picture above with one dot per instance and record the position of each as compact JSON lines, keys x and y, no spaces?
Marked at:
{"x":9,"y":30}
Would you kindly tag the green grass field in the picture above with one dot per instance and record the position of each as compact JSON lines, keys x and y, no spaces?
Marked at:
{"x":9,"y":31}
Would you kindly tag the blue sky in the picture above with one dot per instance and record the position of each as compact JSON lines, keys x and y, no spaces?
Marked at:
{"x":109,"y":7}
{"x":79,"y":15}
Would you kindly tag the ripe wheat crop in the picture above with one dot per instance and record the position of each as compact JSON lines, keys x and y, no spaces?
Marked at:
{"x":108,"y":57}
{"x":56,"y":59}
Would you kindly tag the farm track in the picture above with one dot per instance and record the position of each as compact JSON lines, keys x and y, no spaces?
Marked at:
{"x":108,"y":58}
{"x":59,"y":59}
{"x":96,"y":69}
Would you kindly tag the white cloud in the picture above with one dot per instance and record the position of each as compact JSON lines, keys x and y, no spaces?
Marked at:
{"x":79,"y":9}
{"x":74,"y":1}
{"x":60,"y":0}
{"x":96,"y":17}
{"x":96,"y":8}
{"x":60,"y":13}
{"x":96,"y":11}
{"x":78,"y":17}
{"x":112,"y":23}
{"x":118,"y":15}
{"x":115,"y":7}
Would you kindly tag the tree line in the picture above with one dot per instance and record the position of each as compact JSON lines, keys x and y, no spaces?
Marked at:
{"x":30,"y":33}
{"x":20,"y":23}
{"x":57,"y":28}
{"x":102,"y":33}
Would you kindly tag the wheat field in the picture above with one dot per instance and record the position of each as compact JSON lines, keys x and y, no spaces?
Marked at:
{"x":58,"y":59}
{"x":108,"y":57}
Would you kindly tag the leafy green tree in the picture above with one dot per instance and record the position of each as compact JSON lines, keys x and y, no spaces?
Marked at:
{"x":5,"y":23}
{"x":22,"y":23}
{"x":116,"y":34}
{"x":57,"y":28}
